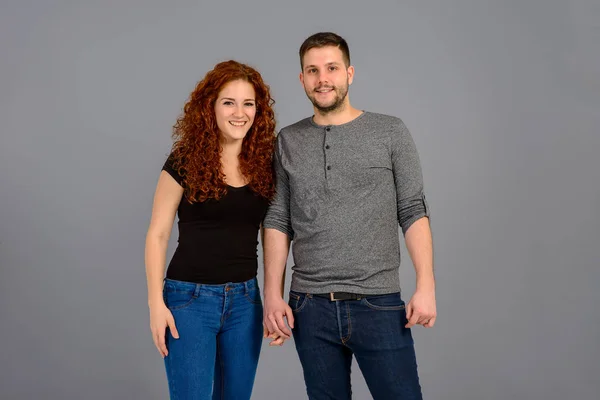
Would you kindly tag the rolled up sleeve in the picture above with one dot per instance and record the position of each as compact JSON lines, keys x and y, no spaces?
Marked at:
{"x":278,"y":212}
{"x":408,"y":177}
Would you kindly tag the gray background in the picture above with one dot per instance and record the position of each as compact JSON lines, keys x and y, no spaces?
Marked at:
{"x":502,"y":98}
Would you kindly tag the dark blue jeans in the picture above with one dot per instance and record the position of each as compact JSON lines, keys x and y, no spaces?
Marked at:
{"x":220,"y":336}
{"x":327,"y":333}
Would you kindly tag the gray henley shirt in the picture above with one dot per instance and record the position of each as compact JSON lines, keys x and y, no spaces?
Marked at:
{"x":341,"y":192}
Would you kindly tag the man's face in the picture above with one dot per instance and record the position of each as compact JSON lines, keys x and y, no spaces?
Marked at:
{"x":325,"y":78}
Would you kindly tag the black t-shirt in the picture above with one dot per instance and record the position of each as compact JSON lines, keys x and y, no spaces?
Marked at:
{"x":217,"y":239}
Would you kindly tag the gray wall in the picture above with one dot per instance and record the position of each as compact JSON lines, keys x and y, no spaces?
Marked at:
{"x":502,"y":98}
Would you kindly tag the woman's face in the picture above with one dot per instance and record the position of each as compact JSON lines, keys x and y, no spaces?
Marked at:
{"x":235,"y":109}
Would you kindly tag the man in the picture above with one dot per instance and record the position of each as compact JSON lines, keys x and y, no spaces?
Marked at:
{"x":345,"y":180}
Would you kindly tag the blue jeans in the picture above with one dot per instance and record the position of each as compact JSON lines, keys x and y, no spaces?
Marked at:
{"x":328,"y":333}
{"x":220,"y":336}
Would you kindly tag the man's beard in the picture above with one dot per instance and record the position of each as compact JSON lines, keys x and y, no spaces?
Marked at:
{"x":341,"y":94}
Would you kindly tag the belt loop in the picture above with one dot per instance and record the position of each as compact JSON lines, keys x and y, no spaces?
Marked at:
{"x":197,"y":290}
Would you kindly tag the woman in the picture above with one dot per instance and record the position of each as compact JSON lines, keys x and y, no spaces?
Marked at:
{"x":219,"y":180}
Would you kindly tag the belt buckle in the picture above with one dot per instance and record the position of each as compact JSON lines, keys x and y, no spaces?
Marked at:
{"x":344,"y":296}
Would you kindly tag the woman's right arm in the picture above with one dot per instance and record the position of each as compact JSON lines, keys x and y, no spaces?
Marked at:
{"x":166,"y":201}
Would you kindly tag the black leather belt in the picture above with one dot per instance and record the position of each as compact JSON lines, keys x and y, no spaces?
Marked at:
{"x":336,"y":296}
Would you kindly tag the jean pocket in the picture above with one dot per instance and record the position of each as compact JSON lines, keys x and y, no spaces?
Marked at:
{"x":253,"y":296}
{"x":178,"y":298}
{"x":297,"y":301}
{"x":384,"y":302}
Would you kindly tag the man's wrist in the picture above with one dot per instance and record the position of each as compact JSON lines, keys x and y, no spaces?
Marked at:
{"x":426,"y":283}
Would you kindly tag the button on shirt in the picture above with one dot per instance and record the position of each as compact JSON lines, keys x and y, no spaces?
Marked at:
{"x":342,"y":190}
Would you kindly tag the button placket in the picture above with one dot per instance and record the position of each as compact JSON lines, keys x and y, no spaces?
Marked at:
{"x":327,"y":161}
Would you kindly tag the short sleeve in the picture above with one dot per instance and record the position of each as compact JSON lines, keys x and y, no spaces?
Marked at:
{"x":168,"y":167}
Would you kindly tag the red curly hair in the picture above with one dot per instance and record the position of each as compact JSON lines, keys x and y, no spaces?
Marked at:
{"x":196,"y":149}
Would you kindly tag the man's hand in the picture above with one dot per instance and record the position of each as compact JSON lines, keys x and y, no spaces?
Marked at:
{"x":421,"y":309}
{"x":277,"y":340}
{"x":275,"y":327}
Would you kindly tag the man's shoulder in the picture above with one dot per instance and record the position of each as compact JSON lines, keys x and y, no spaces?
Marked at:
{"x":379,"y":118}
{"x":389,"y":125}
{"x":301,"y":125}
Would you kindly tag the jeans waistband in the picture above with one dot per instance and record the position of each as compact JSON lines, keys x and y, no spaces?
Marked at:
{"x":223,"y":289}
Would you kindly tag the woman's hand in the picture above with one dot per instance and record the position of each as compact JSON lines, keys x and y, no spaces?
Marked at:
{"x":160,"y":319}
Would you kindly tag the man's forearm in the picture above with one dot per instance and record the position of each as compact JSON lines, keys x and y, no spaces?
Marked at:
{"x":419,"y":244}
{"x":276,"y":249}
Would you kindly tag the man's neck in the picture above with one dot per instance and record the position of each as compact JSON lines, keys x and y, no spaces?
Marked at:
{"x":337,"y":117}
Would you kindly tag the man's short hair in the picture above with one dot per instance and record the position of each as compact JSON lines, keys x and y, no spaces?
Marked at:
{"x":323,"y":39}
